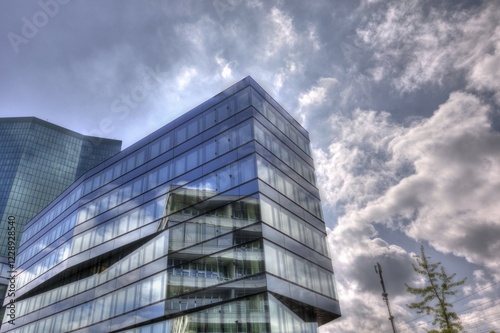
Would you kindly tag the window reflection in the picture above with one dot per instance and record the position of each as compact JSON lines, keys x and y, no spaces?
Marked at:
{"x":210,"y":185}
{"x":278,"y":120}
{"x":187,"y":275}
{"x":292,"y":226}
{"x":289,"y":266}
{"x":285,"y":185}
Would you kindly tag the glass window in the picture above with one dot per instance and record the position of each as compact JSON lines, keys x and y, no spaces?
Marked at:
{"x":243,"y":99}
{"x":149,"y":252}
{"x":57,"y":324}
{"x":130,"y":163}
{"x":158,"y":286}
{"x":122,"y":225}
{"x":108,"y":176}
{"x":256,"y":100}
{"x":192,"y":128}
{"x":82,"y":215}
{"x":117,"y":170}
{"x":108,"y":233}
{"x":245,"y":133}
{"x":222,"y":111}
{"x":77,"y":315}
{"x":130,"y":299}
{"x":149,"y":213}
{"x":223,"y":143}
{"x":113,"y":199}
{"x":140,"y":158}
{"x":106,"y":307}
{"x":247,"y":170}
{"x":155,"y":149}
{"x":97,"y":310}
{"x":137,"y":187}
{"x":87,"y":186}
{"x":164,"y":173}
{"x":145,"y":293}
{"x":166,"y":143}
{"x":66,"y":321}
{"x":210,"y":150}
{"x":77,"y":244}
{"x":288,"y":266}
{"x":126,"y":192}
{"x":86,"y":241}
{"x":180,"y":134}
{"x":134,"y":220}
{"x":103,"y":204}
{"x":180,"y":165}
{"x":193,"y":160}
{"x":98,"y":235}
{"x":210,"y":117}
{"x":224,"y":178}
{"x":119,"y":301}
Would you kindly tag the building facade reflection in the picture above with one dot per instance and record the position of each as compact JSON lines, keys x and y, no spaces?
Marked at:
{"x":38,"y":161}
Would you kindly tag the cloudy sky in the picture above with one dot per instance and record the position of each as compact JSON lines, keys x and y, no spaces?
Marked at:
{"x":401,"y":99}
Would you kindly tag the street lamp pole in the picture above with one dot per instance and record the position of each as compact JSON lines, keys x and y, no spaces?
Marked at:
{"x":385,"y":295}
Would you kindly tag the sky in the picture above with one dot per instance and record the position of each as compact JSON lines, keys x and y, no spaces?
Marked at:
{"x":401,"y":99}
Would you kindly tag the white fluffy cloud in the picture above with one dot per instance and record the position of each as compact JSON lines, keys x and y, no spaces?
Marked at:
{"x":318,"y":93}
{"x":414,"y":44}
{"x":485,"y":73}
{"x":357,"y":167}
{"x":354,"y":170}
{"x":451,"y":199}
{"x":225,"y":67}
{"x":437,"y":180}
{"x":281,"y":32}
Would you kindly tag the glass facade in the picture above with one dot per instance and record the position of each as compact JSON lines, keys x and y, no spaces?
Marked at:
{"x":210,"y":224}
{"x":39,"y":160}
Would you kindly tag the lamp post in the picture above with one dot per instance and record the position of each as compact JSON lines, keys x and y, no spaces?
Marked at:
{"x":385,"y":295}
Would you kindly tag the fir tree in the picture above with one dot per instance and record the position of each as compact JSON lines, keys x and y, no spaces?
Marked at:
{"x":435,"y":293}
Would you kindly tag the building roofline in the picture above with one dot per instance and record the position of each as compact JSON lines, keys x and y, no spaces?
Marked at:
{"x":55,"y":127}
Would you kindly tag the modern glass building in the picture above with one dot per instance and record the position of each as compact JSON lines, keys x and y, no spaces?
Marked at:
{"x":210,"y":224}
{"x":38,"y":161}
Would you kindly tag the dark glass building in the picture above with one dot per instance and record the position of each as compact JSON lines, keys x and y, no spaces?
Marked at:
{"x":38,"y":161}
{"x":210,"y":224}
